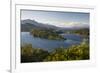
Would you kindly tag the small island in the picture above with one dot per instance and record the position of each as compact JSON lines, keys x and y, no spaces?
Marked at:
{"x":47,"y":34}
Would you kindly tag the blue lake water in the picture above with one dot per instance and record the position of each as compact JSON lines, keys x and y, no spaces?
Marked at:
{"x":72,"y":39}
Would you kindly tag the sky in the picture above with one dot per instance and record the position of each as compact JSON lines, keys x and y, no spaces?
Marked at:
{"x":60,"y":19}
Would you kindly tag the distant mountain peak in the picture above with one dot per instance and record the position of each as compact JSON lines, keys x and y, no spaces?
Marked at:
{"x":28,"y":21}
{"x":29,"y":24}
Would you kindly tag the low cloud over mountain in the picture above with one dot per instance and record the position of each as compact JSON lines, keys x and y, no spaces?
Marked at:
{"x":27,"y":25}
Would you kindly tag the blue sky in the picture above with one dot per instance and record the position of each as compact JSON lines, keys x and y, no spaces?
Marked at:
{"x":61,"y":19}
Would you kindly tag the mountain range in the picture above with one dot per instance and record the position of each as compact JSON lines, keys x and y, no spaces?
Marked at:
{"x":28,"y":25}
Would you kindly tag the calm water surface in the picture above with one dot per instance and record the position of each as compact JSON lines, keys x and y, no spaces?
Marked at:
{"x":72,"y":39}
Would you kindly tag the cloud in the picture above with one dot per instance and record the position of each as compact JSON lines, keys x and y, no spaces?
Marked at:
{"x":66,"y":24}
{"x":72,"y":24}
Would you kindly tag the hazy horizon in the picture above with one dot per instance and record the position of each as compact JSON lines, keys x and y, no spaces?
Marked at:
{"x":60,"y":19}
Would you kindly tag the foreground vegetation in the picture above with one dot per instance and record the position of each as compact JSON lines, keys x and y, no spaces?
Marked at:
{"x":46,"y":34}
{"x":29,"y":54}
{"x":75,"y":52}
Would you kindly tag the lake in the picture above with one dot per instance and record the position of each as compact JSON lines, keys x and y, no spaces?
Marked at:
{"x":72,"y":39}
